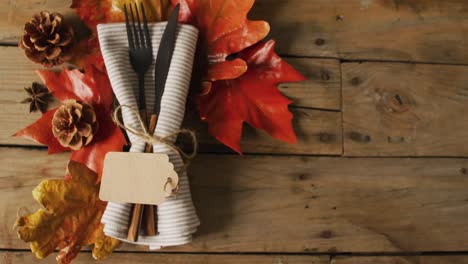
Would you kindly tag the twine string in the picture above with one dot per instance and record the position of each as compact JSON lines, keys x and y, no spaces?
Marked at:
{"x":146,"y":137}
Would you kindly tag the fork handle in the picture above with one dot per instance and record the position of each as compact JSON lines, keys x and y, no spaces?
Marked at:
{"x":141,"y":94}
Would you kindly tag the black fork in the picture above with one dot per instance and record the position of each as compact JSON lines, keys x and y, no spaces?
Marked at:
{"x":141,"y":56}
{"x":139,"y":49}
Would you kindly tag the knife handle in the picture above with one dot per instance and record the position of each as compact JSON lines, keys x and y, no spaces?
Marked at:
{"x":148,"y":212}
{"x":151,"y":127}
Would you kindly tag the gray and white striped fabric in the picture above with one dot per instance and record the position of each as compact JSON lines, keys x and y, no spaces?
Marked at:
{"x":177,"y":219}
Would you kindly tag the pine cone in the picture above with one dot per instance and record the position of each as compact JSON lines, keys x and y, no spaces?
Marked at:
{"x":74,"y":124}
{"x":47,"y":39}
{"x":38,"y":97}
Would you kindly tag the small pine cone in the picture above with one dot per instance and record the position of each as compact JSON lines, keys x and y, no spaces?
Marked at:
{"x":74,"y":124}
{"x":47,"y":39}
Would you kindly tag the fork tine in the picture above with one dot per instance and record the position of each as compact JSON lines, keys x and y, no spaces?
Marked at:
{"x":140,"y":30}
{"x":145,"y":25}
{"x":135,"y":32}
{"x":129,"y":30}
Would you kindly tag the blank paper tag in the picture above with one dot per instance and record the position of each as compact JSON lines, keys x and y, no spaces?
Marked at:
{"x":130,"y":177}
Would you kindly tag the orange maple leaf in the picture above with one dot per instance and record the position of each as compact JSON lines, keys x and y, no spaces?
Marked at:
{"x":94,"y":12}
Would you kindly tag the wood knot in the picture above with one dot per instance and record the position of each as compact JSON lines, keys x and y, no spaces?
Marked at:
{"x":463,"y":171}
{"x":356,"y":81}
{"x":319,"y":42}
{"x":395,"y":102}
{"x":326,"y":137}
{"x":325,"y":75}
{"x":326,"y":234}
{"x":398,"y":139}
{"x":359,"y":137}
{"x":302,"y":177}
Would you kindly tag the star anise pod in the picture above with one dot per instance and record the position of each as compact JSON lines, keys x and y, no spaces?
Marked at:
{"x":39,"y":97}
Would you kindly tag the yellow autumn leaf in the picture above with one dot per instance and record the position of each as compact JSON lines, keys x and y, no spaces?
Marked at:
{"x":70,"y":218}
{"x":155,"y":10}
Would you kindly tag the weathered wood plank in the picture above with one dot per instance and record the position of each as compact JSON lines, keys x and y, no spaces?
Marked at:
{"x":322,"y":89}
{"x":319,"y":132}
{"x":292,"y":204}
{"x":130,"y":258}
{"x":443,"y":259}
{"x":16,"y":72}
{"x":405,"y":109}
{"x":400,"y":30}
{"x":369,"y":30}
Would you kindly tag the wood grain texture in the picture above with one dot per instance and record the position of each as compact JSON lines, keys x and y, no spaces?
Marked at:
{"x":292,"y":204}
{"x":17,"y":12}
{"x":319,"y":132}
{"x":16,"y":72}
{"x":400,"y":109}
{"x":13,"y":15}
{"x":131,"y":258}
{"x":322,"y":89}
{"x":452,"y":259}
{"x":403,"y":30}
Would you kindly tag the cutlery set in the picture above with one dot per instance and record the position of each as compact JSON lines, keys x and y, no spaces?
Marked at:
{"x":140,"y":52}
{"x":152,"y":60}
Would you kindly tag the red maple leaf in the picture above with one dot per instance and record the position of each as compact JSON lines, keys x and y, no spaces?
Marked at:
{"x":251,"y":98}
{"x":92,"y":12}
{"x":224,"y":30}
{"x":87,"y":52}
{"x":92,"y":87}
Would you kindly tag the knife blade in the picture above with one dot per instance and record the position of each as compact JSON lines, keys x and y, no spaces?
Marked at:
{"x":164,"y":57}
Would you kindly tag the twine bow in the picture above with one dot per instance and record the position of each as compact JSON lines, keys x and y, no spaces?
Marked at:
{"x":144,"y":135}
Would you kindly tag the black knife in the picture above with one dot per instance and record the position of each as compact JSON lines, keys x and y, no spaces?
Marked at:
{"x":163,"y":59}
{"x":163,"y":62}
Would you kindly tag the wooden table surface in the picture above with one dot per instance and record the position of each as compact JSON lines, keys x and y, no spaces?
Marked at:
{"x":380,"y":171}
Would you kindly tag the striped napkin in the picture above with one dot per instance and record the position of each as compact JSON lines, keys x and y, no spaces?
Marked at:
{"x":176,"y":217}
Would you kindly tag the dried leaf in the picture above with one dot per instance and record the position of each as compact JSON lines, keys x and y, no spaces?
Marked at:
{"x":92,"y":87}
{"x":87,"y":52}
{"x":251,"y":98}
{"x":224,"y":30}
{"x":70,"y":218}
{"x":238,"y":84}
{"x":93,"y":12}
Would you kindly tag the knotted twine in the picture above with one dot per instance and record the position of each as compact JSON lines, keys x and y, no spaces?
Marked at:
{"x":146,"y":137}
